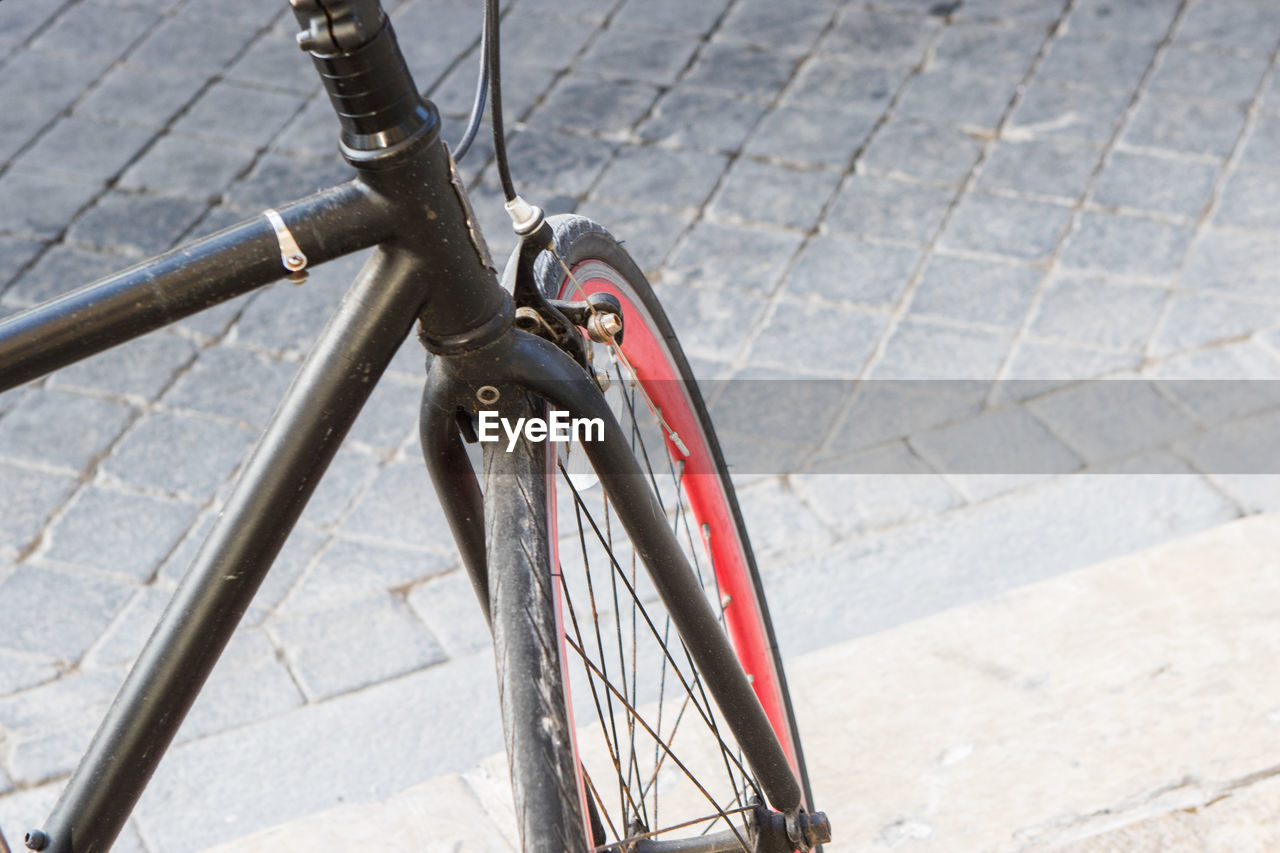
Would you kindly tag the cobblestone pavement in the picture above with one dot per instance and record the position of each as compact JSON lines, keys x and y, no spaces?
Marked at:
{"x":1013,"y":189}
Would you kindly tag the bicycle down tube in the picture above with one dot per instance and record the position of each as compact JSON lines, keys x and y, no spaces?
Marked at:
{"x":430,"y":266}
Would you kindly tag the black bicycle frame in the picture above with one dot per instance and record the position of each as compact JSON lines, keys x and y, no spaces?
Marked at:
{"x":430,"y":265}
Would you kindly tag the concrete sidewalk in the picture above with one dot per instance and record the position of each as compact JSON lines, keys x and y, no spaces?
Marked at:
{"x":849,"y":192}
{"x":1130,"y":706}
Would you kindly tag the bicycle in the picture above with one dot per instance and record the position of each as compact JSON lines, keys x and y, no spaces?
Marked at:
{"x":572,"y":321}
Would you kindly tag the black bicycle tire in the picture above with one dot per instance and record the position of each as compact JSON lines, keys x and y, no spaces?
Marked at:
{"x":578,"y":239}
{"x":526,"y":643}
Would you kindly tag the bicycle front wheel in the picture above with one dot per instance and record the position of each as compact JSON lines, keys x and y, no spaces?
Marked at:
{"x":652,"y":759}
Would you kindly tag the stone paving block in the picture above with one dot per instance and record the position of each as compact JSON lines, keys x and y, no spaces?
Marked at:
{"x":921,"y":149}
{"x":22,"y":672}
{"x":873,"y":35}
{"x":16,"y":253}
{"x":73,"y":609}
{"x":1236,"y":262}
{"x":1239,"y":24}
{"x":285,"y":318}
{"x":801,"y":335}
{"x":883,"y":207}
{"x":1025,"y":12}
{"x":569,"y":164}
{"x":996,"y":452}
{"x":224,"y":772}
{"x":41,"y":757}
{"x":679,"y":119}
{"x":278,"y":179}
{"x":295,"y":557}
{"x":95,"y":31}
{"x":669,"y":15}
{"x":1140,"y":181}
{"x":124,"y":638}
{"x":1111,"y":420}
{"x":85,"y":149}
{"x":846,"y":270}
{"x":740,"y":70}
{"x":648,"y":236}
{"x":1099,"y":312}
{"x":1181,"y":124}
{"x":799,"y":386}
{"x":1095,"y":63}
{"x":39,"y":84}
{"x":733,"y":258}
{"x":1222,"y":383}
{"x":26,"y":501}
{"x":348,"y":475}
{"x":545,"y":40}
{"x":986,"y":49}
{"x":336,"y":651}
{"x":140,"y":97}
{"x":974,"y":291}
{"x":400,"y":507}
{"x":181,"y":455}
{"x":1250,"y":200}
{"x":1051,"y":167}
{"x":1138,"y":19}
{"x":21,"y":22}
{"x":964,"y":99}
{"x":39,"y":204}
{"x":313,"y":132}
{"x":1019,"y":228}
{"x":657,"y":177}
{"x":1036,"y":367}
{"x":810,"y":136}
{"x":629,"y":55}
{"x":448,"y":606}
{"x":389,"y":416}
{"x":60,"y":270}
{"x":139,"y":225}
{"x":1050,"y":109}
{"x":891,"y":410}
{"x":922,"y":350}
{"x":891,"y":486}
{"x":1196,"y":319}
{"x":1208,"y":74}
{"x":589,"y":104}
{"x":792,"y":28}
{"x":1126,"y":245}
{"x":117,"y":533}
{"x":63,"y":429}
{"x":771,"y":195}
{"x":781,"y":524}
{"x":1262,"y":145}
{"x":275,"y":62}
{"x":232,"y":384}
{"x":178,"y":165}
{"x":248,"y":684}
{"x":348,"y":572}
{"x":998,"y":545}
{"x":523,"y":85}
{"x":828,"y":82}
{"x":188,"y":46}
{"x":709,"y":323}
{"x":244,"y":115}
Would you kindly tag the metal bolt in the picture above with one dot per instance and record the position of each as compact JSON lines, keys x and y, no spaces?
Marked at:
{"x":487,"y":394}
{"x":36,"y":840}
{"x":603,"y":327}
{"x":602,"y":379}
